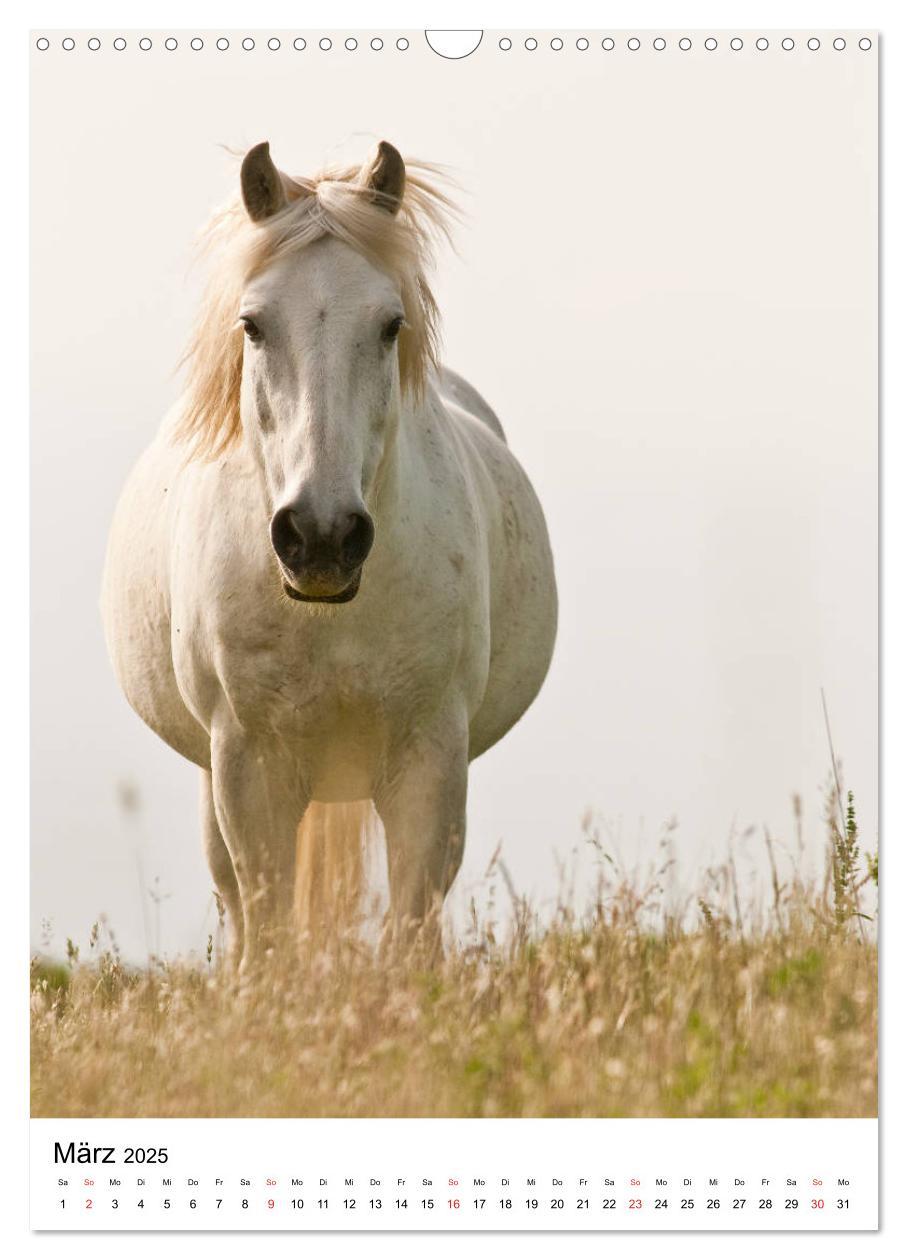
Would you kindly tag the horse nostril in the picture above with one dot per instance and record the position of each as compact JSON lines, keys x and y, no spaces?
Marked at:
{"x":287,"y":536}
{"x":300,"y":544}
{"x":356,"y":540}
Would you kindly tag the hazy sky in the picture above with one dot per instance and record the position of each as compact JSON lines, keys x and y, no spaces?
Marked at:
{"x":666,"y":286}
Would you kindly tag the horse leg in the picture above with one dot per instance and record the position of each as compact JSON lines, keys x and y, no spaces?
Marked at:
{"x":422,"y":804}
{"x":220,"y":864}
{"x":258,"y":804}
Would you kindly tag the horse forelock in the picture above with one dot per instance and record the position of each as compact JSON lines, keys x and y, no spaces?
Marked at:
{"x":332,"y":203}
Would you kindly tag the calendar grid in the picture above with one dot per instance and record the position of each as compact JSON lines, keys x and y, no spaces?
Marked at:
{"x":456,"y":1174}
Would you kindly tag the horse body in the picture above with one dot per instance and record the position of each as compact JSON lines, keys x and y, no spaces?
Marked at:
{"x":386,"y":696}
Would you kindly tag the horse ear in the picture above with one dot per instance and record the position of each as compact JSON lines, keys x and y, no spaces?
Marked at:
{"x":384,"y":175}
{"x":263,"y":188}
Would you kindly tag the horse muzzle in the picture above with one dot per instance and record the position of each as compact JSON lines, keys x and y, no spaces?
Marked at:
{"x":321,"y":562}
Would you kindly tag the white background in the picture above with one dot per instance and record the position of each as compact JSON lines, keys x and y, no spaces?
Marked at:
{"x":15,"y":637}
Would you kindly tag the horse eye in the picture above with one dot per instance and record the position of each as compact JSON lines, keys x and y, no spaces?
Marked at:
{"x":392,"y":328}
{"x":251,"y":328}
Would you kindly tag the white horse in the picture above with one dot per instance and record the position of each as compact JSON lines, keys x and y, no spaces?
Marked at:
{"x":328,"y":579}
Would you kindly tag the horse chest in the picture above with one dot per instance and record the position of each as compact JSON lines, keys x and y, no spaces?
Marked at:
{"x":321,"y":683}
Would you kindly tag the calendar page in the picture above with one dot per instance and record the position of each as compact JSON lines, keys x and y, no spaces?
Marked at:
{"x":454,"y":628}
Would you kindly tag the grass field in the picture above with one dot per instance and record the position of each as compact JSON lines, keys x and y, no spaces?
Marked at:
{"x":622,"y":1011}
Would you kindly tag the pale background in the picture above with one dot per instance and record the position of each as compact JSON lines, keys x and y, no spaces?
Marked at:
{"x":667,"y":289}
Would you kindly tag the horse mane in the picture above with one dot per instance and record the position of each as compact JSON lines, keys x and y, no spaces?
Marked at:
{"x":332,"y":203}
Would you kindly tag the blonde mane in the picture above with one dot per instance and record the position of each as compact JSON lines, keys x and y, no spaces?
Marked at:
{"x":333,"y":203}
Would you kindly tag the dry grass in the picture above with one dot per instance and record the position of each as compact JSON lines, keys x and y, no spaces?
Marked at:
{"x":625,"y":1011}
